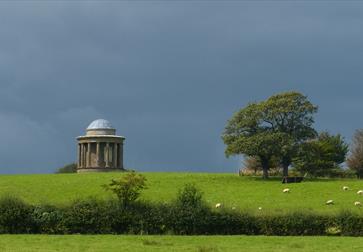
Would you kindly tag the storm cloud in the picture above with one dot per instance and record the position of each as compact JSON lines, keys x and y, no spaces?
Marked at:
{"x":168,"y":75}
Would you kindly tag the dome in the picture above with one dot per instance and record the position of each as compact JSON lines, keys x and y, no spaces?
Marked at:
{"x":100,"y":124}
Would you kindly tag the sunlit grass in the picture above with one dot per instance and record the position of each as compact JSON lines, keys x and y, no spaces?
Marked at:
{"x":104,"y":243}
{"x":228,"y":189}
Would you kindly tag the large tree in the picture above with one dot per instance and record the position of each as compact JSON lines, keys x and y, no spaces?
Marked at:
{"x":246,"y":134}
{"x":271,"y":128}
{"x":355,"y":160}
{"x":318,"y":157}
{"x":290,"y":113}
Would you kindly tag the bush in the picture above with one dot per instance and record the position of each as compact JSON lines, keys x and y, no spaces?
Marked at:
{"x":188,"y":215}
{"x":297,"y":223}
{"x":127,"y":188}
{"x":15,"y":216}
{"x":49,"y":220}
{"x":189,"y":212}
{"x":87,"y":217}
{"x":232,"y":223}
{"x":69,"y":168}
{"x":350,"y":224}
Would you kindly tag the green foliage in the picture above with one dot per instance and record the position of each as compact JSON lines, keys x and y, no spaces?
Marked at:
{"x":15,"y":216}
{"x":355,"y":160}
{"x":87,"y":217}
{"x":48,"y":219}
{"x":272,"y":128}
{"x":188,"y":215}
{"x":189,"y":212}
{"x":350,"y":224}
{"x":297,"y":223}
{"x":69,"y":168}
{"x":321,"y":156}
{"x":290,"y":113}
{"x":128,"y":187}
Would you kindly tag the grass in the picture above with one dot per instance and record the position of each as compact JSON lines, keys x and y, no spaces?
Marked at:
{"x":104,"y":243}
{"x":228,"y":189}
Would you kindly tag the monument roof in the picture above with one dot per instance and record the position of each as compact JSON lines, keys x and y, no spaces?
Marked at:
{"x":100,"y":124}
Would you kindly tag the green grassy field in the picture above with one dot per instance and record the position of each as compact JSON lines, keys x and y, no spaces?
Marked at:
{"x":229,"y":189}
{"x":104,"y":243}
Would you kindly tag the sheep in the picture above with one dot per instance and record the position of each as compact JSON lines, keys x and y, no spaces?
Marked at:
{"x":345,"y":188}
{"x":360,"y":192}
{"x":286,"y":190}
{"x":218,"y":205}
{"x":357,"y":203}
{"x":260,"y":208}
{"x":330,"y":202}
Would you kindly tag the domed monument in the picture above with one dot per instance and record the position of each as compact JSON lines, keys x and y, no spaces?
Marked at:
{"x":100,"y":150}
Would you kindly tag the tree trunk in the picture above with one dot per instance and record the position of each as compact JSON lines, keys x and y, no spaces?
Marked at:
{"x":285,"y":166}
{"x":265,"y":166}
{"x":285,"y":170}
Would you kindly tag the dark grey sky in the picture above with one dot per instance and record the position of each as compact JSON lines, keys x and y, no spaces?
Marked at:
{"x":167,"y":74}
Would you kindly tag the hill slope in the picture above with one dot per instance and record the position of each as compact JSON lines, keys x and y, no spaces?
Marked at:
{"x":229,"y":189}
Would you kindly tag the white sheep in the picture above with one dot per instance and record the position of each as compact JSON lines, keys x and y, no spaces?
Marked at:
{"x":218,"y":205}
{"x":360,"y":192}
{"x":357,"y":203}
{"x":286,"y":190}
{"x":260,"y":208}
{"x":345,"y":188}
{"x":330,"y":202}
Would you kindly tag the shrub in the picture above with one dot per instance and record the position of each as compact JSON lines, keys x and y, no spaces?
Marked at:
{"x":297,"y":223}
{"x":128,"y":187}
{"x":49,"y":220}
{"x":189,"y":214}
{"x":69,"y":168}
{"x":350,"y":224}
{"x":232,"y":223}
{"x":87,"y":217}
{"x":15,"y":216}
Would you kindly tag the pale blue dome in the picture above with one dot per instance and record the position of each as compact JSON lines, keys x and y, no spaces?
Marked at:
{"x":100,"y":124}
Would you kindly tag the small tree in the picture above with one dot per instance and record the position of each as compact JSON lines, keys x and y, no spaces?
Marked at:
{"x":355,"y":160}
{"x":127,"y":188}
{"x":320,"y":156}
{"x":190,"y":211}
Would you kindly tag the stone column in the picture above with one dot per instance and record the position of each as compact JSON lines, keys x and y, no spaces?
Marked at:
{"x":121,"y":156}
{"x":107,"y":155}
{"x":115,"y":155}
{"x":89,"y":155}
{"x":79,"y":156}
{"x":83,"y":158}
{"x":98,"y":154}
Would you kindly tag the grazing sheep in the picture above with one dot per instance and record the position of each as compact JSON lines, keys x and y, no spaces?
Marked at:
{"x":218,"y":205}
{"x":286,"y":190}
{"x":260,"y":208}
{"x":360,"y":192}
{"x":330,"y":202}
{"x":345,"y":188}
{"x":357,"y":203}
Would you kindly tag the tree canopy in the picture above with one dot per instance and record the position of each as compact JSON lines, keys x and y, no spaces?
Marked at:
{"x":320,"y":156}
{"x":271,"y":128}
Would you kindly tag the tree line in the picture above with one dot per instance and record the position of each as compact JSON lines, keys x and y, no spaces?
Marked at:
{"x":279,"y":133}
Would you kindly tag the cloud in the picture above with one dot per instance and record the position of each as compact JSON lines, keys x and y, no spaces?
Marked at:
{"x":167,"y":75}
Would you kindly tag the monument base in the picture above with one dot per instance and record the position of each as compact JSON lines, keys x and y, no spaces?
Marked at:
{"x":99,"y":169}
